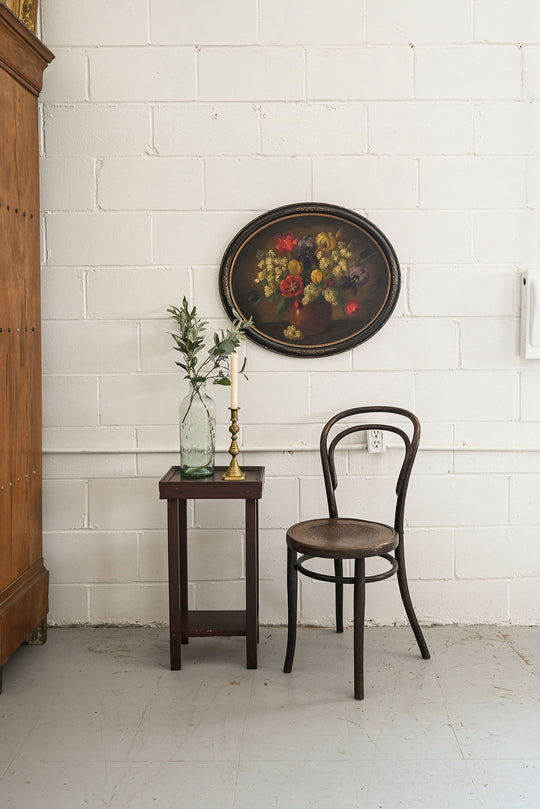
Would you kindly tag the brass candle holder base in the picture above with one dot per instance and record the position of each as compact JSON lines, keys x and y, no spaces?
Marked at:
{"x":234,"y":472}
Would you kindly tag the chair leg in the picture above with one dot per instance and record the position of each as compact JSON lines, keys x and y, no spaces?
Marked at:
{"x":338,"y":570}
{"x":407,"y":603}
{"x":359,"y":613}
{"x":292,"y":599}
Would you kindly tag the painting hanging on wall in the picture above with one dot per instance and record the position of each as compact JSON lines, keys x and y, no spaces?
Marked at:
{"x":316,"y":279}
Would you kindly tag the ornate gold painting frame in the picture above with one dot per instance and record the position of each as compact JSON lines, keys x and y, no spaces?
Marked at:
{"x":25,"y":10}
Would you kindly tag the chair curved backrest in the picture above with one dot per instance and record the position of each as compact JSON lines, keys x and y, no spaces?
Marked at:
{"x":327,"y":451}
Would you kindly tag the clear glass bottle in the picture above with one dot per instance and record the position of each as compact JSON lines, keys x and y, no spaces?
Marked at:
{"x":197,"y":433}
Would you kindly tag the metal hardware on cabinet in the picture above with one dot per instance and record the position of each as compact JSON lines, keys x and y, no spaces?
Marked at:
{"x":18,"y":329}
{"x":3,"y":487}
{"x":8,"y":208}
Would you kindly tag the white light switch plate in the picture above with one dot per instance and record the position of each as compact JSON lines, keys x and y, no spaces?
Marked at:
{"x":530,"y":314}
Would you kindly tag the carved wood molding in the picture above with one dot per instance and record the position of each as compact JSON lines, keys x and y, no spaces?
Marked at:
{"x":22,"y":54}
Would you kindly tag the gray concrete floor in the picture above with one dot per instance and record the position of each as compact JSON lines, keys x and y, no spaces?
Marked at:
{"x":95,"y":719}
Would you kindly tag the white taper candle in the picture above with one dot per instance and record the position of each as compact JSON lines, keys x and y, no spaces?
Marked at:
{"x":234,"y":380}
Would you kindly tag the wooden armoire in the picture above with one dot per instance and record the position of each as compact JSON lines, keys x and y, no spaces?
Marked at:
{"x":23,"y":577}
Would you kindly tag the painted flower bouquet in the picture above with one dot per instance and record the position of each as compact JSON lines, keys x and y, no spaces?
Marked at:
{"x":315,"y":272}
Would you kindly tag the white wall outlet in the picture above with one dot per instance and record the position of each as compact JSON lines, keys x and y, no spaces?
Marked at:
{"x":375,"y":441}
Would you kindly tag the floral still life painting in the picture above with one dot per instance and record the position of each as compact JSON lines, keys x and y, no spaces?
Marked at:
{"x":315,"y":279}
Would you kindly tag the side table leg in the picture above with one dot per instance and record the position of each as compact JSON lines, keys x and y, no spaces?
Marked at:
{"x":175,"y":618}
{"x":182,"y":533}
{"x":252,"y":583}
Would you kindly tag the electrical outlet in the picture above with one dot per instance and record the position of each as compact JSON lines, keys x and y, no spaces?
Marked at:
{"x":375,"y":441}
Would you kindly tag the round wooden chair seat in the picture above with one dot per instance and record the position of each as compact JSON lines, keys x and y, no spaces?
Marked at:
{"x":341,"y":538}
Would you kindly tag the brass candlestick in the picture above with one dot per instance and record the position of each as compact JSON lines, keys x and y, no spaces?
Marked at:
{"x":234,"y":472}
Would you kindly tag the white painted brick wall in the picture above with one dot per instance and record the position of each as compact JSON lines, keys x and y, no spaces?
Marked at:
{"x":96,"y":130}
{"x":181,"y":22}
{"x":359,"y":73}
{"x":141,"y":184}
{"x":507,"y":128}
{"x":531,"y":72}
{"x":206,"y":129}
{"x":476,"y":72}
{"x":420,"y":128}
{"x":283,"y":22}
{"x":472,"y":182}
{"x":366,"y":182}
{"x":62,"y":291}
{"x":134,"y":292}
{"x":77,"y":22}
{"x":84,"y":347}
{"x":166,"y":126}
{"x":251,"y":74}
{"x":135,"y":74}
{"x":497,"y":20}
{"x":98,"y":238}
{"x":418,"y":22}
{"x":70,"y":401}
{"x":66,"y":80}
{"x":67,"y":183}
{"x":246,"y":183}
{"x":307,"y":129}
{"x":193,"y":238}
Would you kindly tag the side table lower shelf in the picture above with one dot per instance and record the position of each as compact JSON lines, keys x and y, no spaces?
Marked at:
{"x":213,"y":623}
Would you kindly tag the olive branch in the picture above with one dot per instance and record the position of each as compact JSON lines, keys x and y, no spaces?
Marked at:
{"x":190,"y":342}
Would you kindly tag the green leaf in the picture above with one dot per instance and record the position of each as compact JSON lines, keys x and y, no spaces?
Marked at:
{"x":228,"y":346}
{"x":340,"y":300}
{"x":222,"y":381}
{"x":282,"y":305}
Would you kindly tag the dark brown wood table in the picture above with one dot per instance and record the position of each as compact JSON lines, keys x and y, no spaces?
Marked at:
{"x":186,"y":623}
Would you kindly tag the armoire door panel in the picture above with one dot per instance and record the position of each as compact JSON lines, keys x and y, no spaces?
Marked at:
{"x":5,"y":466}
{"x":23,"y":577}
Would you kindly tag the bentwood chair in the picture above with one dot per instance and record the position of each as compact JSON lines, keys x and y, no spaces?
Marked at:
{"x":340,"y":538}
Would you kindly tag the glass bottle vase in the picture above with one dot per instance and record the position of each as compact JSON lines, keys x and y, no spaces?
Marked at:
{"x":197,"y":433}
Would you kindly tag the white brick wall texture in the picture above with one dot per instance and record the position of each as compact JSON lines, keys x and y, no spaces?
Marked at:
{"x":166,"y":126}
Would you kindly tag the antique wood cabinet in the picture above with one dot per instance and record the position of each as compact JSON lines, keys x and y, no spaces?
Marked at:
{"x":23,"y":577}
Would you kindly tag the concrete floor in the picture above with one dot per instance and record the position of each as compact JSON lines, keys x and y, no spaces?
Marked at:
{"x":95,"y":719}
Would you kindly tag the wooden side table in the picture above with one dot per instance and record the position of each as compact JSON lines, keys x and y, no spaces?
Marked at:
{"x":186,"y":623}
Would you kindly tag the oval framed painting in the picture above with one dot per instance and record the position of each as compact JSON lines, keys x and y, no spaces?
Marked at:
{"x":316,"y":279}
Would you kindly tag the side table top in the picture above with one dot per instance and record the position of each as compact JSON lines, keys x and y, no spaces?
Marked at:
{"x":174,"y":486}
